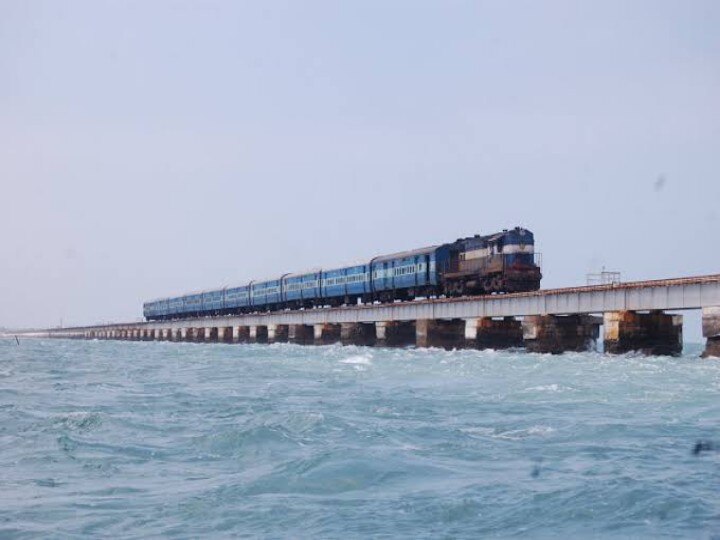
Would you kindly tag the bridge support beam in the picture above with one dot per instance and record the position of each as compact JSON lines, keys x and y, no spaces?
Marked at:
{"x":557,"y":334}
{"x":301,"y":334}
{"x":224,"y":334}
{"x":241,"y":334}
{"x":447,"y":334}
{"x":277,"y":333}
{"x":489,"y":333}
{"x":395,"y":333}
{"x":357,"y":334}
{"x":654,"y":333}
{"x":711,"y":331}
{"x":324,"y":334}
{"x":258,"y":334}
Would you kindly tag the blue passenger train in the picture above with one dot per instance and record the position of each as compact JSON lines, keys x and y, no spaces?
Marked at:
{"x":497,"y":263}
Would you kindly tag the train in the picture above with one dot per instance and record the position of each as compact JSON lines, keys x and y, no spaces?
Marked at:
{"x":503,"y":262}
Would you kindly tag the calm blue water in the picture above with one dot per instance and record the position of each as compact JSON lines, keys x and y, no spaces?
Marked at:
{"x":138,"y":440}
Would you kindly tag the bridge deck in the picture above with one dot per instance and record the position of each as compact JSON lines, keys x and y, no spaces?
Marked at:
{"x":667,"y":294}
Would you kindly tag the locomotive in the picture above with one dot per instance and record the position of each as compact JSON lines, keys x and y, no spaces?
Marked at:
{"x":503,"y":262}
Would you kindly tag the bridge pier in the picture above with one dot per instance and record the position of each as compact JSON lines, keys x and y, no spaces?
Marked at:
{"x":489,"y":333}
{"x":711,"y":331}
{"x":301,"y":334}
{"x":277,"y":333}
{"x":653,"y":333}
{"x":446,"y":334}
{"x":357,"y":334}
{"x":241,"y":334}
{"x":258,"y":334}
{"x":395,"y":333}
{"x":557,"y":334}
{"x":224,"y":334}
{"x":324,"y":334}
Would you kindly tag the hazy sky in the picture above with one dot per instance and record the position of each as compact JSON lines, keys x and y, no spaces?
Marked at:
{"x":150,"y":148}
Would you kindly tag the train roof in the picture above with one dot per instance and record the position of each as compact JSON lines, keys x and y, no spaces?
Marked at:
{"x":406,"y":254}
{"x":305,"y":273}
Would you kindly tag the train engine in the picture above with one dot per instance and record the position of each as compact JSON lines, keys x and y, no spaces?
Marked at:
{"x":502,"y":262}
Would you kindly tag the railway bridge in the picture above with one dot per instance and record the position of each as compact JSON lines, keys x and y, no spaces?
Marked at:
{"x":633,"y":316}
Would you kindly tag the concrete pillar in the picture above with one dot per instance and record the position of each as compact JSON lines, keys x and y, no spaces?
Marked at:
{"x":301,"y":334}
{"x":158,"y":334}
{"x":277,"y":333}
{"x":258,"y":334}
{"x":210,"y":334}
{"x":224,"y":334}
{"x":440,"y":333}
{"x":357,"y":334}
{"x":711,"y":331}
{"x":489,"y":333}
{"x":325,"y":333}
{"x":654,"y":333}
{"x":395,"y":333}
{"x":557,"y":334}
{"x":184,"y":334}
{"x":241,"y":334}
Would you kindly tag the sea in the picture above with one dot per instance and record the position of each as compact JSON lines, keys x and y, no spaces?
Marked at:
{"x":103,"y":439}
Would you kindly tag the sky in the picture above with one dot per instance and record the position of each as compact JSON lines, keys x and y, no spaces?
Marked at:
{"x":153,"y":148}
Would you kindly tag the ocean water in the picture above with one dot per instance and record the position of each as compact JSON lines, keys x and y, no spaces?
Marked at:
{"x":142,"y":440}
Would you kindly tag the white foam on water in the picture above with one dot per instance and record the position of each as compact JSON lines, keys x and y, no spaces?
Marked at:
{"x":358,"y":360}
